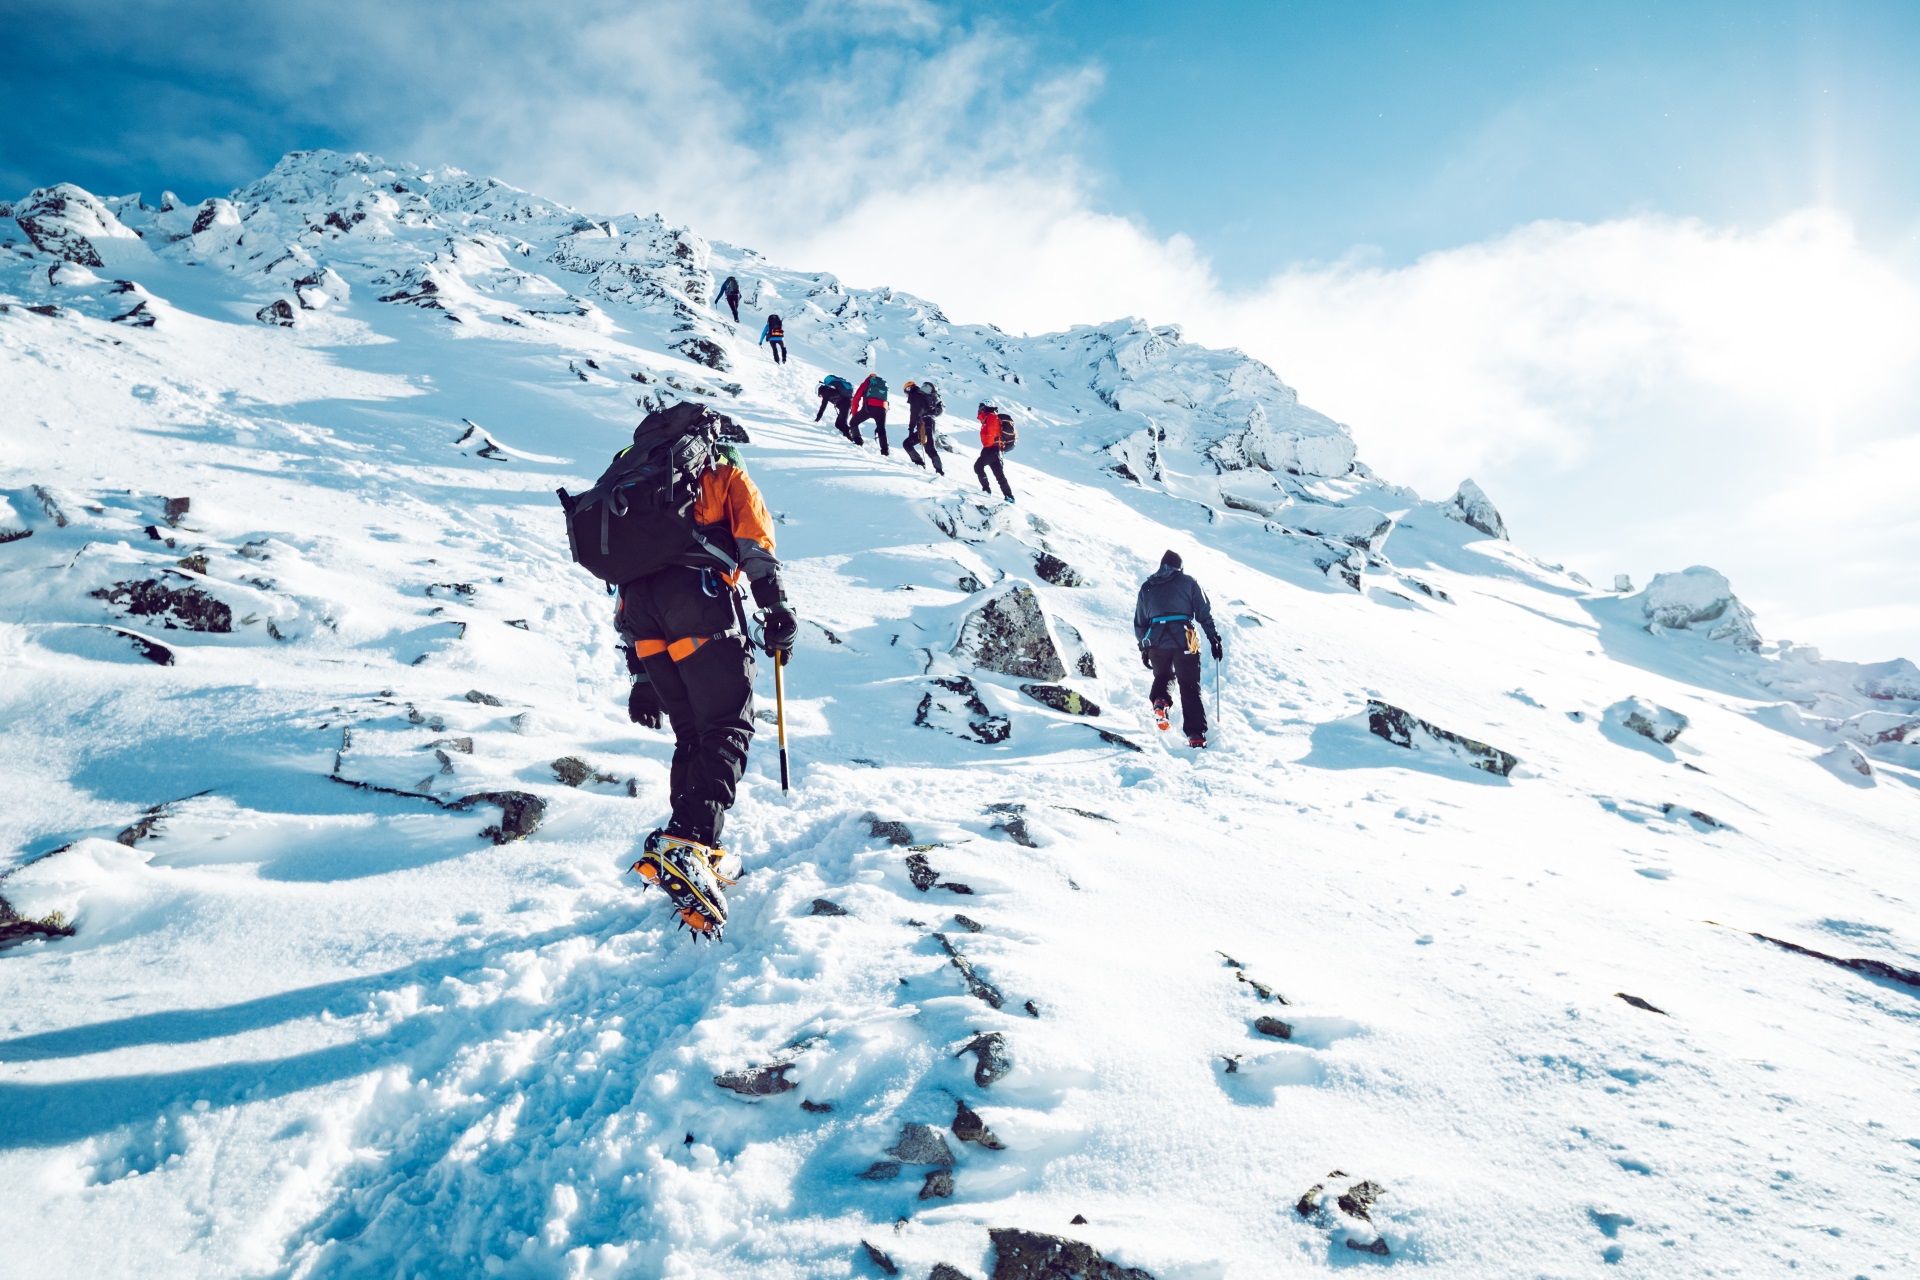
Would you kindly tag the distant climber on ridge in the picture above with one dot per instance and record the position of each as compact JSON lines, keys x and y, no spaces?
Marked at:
{"x":996,"y":437}
{"x":1164,"y":618}
{"x":730,"y":294}
{"x":675,"y":523}
{"x":776,"y":339}
{"x":838,"y":392}
{"x":870,"y":405}
{"x":923,"y":407}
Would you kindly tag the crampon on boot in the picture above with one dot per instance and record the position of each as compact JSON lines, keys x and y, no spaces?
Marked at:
{"x":1160,"y":717}
{"x":1197,"y":740}
{"x":685,"y":869}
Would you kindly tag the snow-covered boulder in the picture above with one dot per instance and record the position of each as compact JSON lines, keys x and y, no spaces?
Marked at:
{"x":1404,"y":729}
{"x":1471,"y":506}
{"x":1009,"y":634}
{"x":1846,"y":762}
{"x":1649,"y":720}
{"x":72,"y":224}
{"x":12,"y":527}
{"x":1623,"y":584}
{"x":1699,"y":599}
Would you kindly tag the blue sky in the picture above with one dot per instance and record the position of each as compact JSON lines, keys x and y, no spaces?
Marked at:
{"x":1648,"y":272}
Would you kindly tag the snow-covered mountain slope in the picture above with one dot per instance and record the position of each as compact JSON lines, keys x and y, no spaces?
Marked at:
{"x":317,"y":743}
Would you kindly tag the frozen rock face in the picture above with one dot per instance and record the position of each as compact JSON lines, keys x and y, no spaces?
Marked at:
{"x":71,"y":224}
{"x":1471,"y":506}
{"x":1647,"y":719}
{"x":1699,"y":599}
{"x":1009,"y":635}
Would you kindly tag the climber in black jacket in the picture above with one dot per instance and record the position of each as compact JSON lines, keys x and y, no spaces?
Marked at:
{"x":1167,"y":619}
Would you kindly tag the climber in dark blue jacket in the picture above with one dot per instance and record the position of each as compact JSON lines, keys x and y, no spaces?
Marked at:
{"x":1167,"y":620}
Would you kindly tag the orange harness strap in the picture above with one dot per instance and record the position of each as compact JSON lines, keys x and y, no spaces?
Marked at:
{"x":679,"y":650}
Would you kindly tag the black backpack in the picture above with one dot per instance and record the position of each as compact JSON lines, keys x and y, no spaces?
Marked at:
{"x":934,"y":406}
{"x":638,"y":517}
{"x":1008,"y":436}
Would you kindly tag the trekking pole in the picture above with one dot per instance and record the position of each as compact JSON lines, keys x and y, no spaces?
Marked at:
{"x":780,"y":712}
{"x":1216,"y":688}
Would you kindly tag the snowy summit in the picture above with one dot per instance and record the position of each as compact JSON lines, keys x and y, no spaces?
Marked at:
{"x":1506,"y":926}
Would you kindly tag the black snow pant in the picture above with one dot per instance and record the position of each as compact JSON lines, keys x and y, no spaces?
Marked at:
{"x":707,"y":694}
{"x":914,"y":435}
{"x":779,"y":348}
{"x":839,"y":418}
{"x":989,"y":460}
{"x":733,"y":304}
{"x":1169,"y":664}
{"x":877,"y":415}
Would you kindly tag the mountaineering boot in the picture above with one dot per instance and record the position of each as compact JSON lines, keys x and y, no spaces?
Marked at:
{"x":1160,"y":710}
{"x":685,"y":869}
{"x":1197,"y":740}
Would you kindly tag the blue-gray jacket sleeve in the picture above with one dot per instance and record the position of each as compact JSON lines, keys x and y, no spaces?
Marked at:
{"x":1140,"y":617}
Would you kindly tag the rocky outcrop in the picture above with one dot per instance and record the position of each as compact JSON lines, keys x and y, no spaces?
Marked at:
{"x":176,"y":608}
{"x":1701,"y":600}
{"x":976,"y":985}
{"x":1345,"y":1205}
{"x":1649,"y":720}
{"x":520,"y":814}
{"x":703,"y":351}
{"x":70,"y":224}
{"x":922,"y":1144}
{"x":1061,"y":698}
{"x":1051,"y":568}
{"x":757,"y":1082}
{"x":1008,"y":634}
{"x":991,"y":1058}
{"x":953,"y":705}
{"x":1471,"y":506}
{"x":1404,"y":729}
{"x":969,"y":1127}
{"x":1029,"y":1255}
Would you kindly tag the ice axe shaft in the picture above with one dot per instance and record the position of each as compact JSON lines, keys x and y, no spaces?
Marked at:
{"x":780,"y":713}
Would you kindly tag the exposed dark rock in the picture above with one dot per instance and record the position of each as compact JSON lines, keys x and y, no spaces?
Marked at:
{"x":1008,"y":634}
{"x":574,"y":771}
{"x":921,"y":872}
{"x":1079,"y":1220}
{"x":1261,"y":989}
{"x":1677,"y":812}
{"x":991,"y":1058}
{"x":880,"y":1260}
{"x":1427,"y":589}
{"x":53,"y":218}
{"x":462,"y":745}
{"x":1028,"y":1255}
{"x":50,"y":505}
{"x":938,"y":1186}
{"x":954,"y":706}
{"x":970,"y":584}
{"x":969,"y":1127}
{"x":1273,"y":1027}
{"x":276,"y":312}
{"x":1471,"y":506}
{"x":922,"y":1144}
{"x":946,"y":1271}
{"x":1061,"y":698}
{"x":968,"y":923}
{"x":1859,"y":964}
{"x":14,"y":929}
{"x":892,"y":832}
{"x":176,"y":608}
{"x":1052,"y":568}
{"x":484,"y":699}
{"x":1400,"y":727}
{"x":822,"y":907}
{"x":148,"y":823}
{"x":520,"y":814}
{"x":757,"y":1082}
{"x":880,"y":1171}
{"x":1647,"y":719}
{"x":954,"y":886}
{"x":703,"y":351}
{"x":816,"y":1108}
{"x":1357,"y":1200}
{"x":1115,"y":740}
{"x":1379,"y":1246}
{"x":1638,"y":1003}
{"x":1013,"y":821}
{"x":975,"y":983}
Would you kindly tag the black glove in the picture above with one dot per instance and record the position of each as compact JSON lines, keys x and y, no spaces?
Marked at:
{"x":780,"y":628}
{"x":643,"y":705}
{"x":1217,"y":650}
{"x":1146,"y":659}
{"x":767,"y":591}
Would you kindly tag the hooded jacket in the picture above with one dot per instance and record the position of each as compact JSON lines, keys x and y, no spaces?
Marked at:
{"x":1176,"y":599}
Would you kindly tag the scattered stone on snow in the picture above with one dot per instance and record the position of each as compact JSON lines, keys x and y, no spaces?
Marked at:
{"x":921,"y":1144}
{"x":823,"y":907}
{"x":483,"y":699}
{"x":969,"y":1127}
{"x":1029,"y":1255}
{"x":991,"y":1058}
{"x":277,"y":312}
{"x":946,"y":1271}
{"x":1638,"y":1003}
{"x":703,"y":351}
{"x":1052,"y":568}
{"x":757,"y":1082}
{"x":1399,"y":727}
{"x":954,"y":706}
{"x":462,"y":745}
{"x":573,"y":771}
{"x":148,"y":823}
{"x":1061,"y":698}
{"x":1342,"y":1202}
{"x":968,"y":923}
{"x":1471,"y":506}
{"x":921,"y":872}
{"x":1115,"y":740}
{"x":880,"y":1171}
{"x":816,"y":1108}
{"x":954,"y":886}
{"x":50,"y":505}
{"x":1859,"y":964}
{"x":938,"y":1185}
{"x":1008,"y":634}
{"x":1678,"y":812}
{"x":1013,"y":821}
{"x":520,"y":813}
{"x":880,"y":1260}
{"x":977,"y":985}
{"x":175,"y":608}
{"x":892,"y":832}
{"x":1273,"y":1027}
{"x":1647,"y":719}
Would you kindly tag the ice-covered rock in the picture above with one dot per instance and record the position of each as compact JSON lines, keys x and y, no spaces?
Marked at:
{"x":72,"y":224}
{"x":1471,"y":506}
{"x":1699,"y":599}
{"x":1846,"y":762}
{"x":1649,"y":720}
{"x":1029,"y":1255}
{"x":1404,"y":729}
{"x":1623,"y":583}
